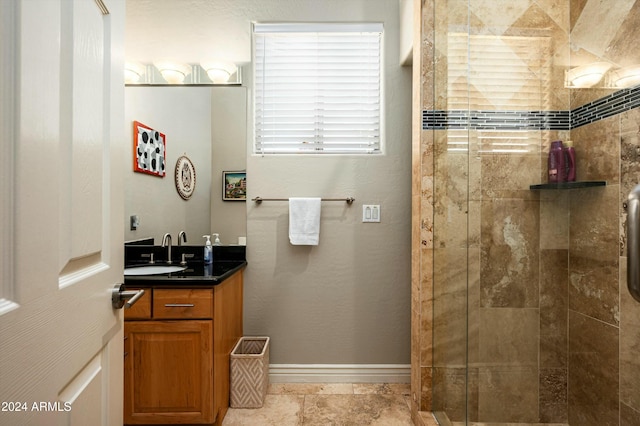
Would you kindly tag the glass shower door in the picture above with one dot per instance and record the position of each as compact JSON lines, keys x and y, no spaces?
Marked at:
{"x":498,"y":86}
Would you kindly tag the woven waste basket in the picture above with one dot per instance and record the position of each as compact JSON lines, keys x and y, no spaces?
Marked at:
{"x":249,"y":372}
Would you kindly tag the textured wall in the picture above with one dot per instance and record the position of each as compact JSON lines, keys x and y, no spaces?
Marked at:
{"x":183,"y":114}
{"x":346,"y":301}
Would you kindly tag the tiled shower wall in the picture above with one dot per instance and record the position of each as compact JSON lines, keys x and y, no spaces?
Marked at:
{"x":552,"y":332}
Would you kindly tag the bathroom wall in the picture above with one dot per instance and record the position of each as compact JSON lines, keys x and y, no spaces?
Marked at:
{"x":603,"y":319}
{"x":347,"y":300}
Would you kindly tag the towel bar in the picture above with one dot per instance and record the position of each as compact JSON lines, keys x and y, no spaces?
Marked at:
{"x":259,"y":200}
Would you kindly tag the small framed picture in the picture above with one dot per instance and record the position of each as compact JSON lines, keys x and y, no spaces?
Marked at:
{"x":234,"y":186}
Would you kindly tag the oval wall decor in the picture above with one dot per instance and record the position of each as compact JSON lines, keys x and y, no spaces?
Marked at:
{"x":185,"y":177}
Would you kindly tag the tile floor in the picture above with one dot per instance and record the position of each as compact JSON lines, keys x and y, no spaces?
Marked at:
{"x":328,"y":404}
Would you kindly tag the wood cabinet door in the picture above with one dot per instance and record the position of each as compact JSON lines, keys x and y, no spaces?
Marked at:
{"x":168,"y":372}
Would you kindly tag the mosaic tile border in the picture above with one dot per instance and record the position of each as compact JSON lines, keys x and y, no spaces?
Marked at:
{"x":616,"y":103}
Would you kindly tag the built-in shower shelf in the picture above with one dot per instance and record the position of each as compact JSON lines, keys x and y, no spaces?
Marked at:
{"x":569,"y":185}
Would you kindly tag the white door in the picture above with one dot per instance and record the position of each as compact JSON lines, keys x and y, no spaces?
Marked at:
{"x":61,"y":163}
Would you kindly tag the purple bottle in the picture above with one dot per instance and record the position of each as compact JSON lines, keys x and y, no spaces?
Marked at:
{"x":557,"y":171}
{"x":570,"y":157}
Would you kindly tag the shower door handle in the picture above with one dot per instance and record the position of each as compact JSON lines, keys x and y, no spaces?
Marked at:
{"x":633,"y":243}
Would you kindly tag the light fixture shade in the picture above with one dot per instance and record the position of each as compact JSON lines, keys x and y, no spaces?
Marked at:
{"x":133,"y":72}
{"x":219,"y":71}
{"x":587,"y":75}
{"x":626,"y":77}
{"x":172,"y":72}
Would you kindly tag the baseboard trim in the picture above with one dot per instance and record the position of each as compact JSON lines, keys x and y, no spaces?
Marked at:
{"x":340,"y":373}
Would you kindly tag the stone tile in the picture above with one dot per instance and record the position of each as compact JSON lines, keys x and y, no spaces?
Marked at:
{"x":450,"y":392}
{"x":382,"y":388}
{"x":553,"y":395}
{"x":554,"y":219}
{"x":510,"y":253}
{"x":473,"y":302}
{"x":623,"y":48}
{"x":310,"y":388}
{"x":553,"y":308}
{"x":629,"y":343}
{"x":450,"y":307}
{"x":498,"y":23}
{"x":509,"y":176}
{"x":278,"y":410}
{"x":594,"y":253}
{"x":509,"y":336}
{"x":508,"y":394}
{"x":629,"y":165}
{"x":597,"y":148}
{"x":629,"y":416}
{"x":382,"y":410}
{"x":593,"y":372}
{"x":426,"y":390}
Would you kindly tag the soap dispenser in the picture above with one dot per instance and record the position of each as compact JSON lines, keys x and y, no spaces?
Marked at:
{"x":216,"y":240}
{"x":208,"y":250}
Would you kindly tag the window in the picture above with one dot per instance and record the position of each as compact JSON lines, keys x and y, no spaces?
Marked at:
{"x":317,"y":88}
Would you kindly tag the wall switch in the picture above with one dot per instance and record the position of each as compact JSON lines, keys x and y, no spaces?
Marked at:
{"x":371,"y":212}
{"x":135,"y":222}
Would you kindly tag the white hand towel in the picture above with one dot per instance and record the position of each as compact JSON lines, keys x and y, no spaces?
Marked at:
{"x":304,"y":221}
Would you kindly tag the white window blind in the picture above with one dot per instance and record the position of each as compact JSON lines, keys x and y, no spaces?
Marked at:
{"x":317,"y":88}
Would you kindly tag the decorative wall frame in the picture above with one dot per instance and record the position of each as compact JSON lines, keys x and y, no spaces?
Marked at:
{"x":149,"y":150}
{"x":185,"y":174}
{"x":234,"y":186}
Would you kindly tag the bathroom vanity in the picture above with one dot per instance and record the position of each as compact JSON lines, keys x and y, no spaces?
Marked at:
{"x":178,"y":339}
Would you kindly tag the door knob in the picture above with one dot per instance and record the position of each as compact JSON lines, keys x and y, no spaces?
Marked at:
{"x":120,"y":296}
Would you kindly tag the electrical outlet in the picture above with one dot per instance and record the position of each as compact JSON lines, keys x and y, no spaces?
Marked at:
{"x":371,"y":212}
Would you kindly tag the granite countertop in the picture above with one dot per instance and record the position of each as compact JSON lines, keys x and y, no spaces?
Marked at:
{"x":227,"y":261}
{"x":197,"y":273}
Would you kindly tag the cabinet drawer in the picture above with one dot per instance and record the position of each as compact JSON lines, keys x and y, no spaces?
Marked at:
{"x":181,"y":303}
{"x":142,"y":308}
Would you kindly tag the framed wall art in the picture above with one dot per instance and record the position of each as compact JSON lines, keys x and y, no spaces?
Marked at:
{"x":234,"y":186}
{"x":149,"y":150}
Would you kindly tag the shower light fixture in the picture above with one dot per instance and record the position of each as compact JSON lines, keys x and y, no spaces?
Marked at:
{"x":625,"y":77}
{"x":586,"y":75}
{"x":172,"y":72}
{"x":219,"y":71}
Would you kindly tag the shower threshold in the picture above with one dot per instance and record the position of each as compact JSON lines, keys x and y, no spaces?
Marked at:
{"x":443,"y":420}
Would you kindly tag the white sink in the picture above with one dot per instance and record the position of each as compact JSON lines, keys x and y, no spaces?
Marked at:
{"x":153,"y":269}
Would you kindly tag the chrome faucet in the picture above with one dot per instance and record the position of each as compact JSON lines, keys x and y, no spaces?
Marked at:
{"x":165,"y":239}
{"x":182,"y":237}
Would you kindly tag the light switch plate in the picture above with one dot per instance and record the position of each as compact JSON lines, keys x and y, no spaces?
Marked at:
{"x":371,"y":212}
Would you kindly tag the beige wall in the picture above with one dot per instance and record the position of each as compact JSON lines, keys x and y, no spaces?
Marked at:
{"x":183,"y":114}
{"x":228,"y":153}
{"x":346,"y":301}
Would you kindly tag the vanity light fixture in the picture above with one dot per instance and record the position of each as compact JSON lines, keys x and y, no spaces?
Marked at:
{"x":133,"y":72}
{"x":625,"y":77}
{"x":219,"y":72}
{"x":172,"y":72}
{"x":586,"y":75}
